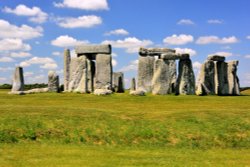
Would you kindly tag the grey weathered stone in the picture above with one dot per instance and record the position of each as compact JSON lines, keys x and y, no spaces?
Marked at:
{"x":233,"y":80}
{"x":221,"y":78}
{"x":90,"y":75}
{"x":104,"y":72}
{"x":137,"y":92}
{"x":145,"y":73}
{"x":93,"y":49}
{"x":118,"y":82}
{"x":53,"y":82}
{"x":66,"y":69}
{"x":102,"y":92}
{"x":78,"y":75}
{"x":133,"y":85}
{"x":16,"y":93}
{"x":154,"y":51}
{"x":186,"y":78}
{"x":216,"y":58}
{"x":18,"y":80}
{"x":37,"y":90}
{"x":169,"y":56}
{"x":206,"y":81}
{"x":164,"y":76}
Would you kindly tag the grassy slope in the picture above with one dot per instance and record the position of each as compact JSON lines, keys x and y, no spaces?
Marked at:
{"x":166,"y":130}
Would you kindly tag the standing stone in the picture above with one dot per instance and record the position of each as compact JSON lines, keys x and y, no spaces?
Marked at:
{"x":233,"y":80}
{"x":221,"y":78}
{"x":163,"y":77}
{"x":104,"y":72}
{"x":145,"y":73}
{"x":18,"y":80}
{"x":133,"y":85}
{"x":186,"y":78}
{"x":66,"y":69}
{"x":118,"y":82}
{"x":53,"y":82}
{"x":206,"y":83}
{"x":90,"y":75}
{"x":78,"y":75}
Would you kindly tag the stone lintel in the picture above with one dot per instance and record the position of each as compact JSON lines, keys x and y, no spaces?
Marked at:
{"x":216,"y":58}
{"x":154,"y":51}
{"x":93,"y":49}
{"x":173,"y":56}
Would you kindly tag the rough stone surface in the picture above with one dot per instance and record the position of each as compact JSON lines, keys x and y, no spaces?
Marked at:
{"x":90,"y":75}
{"x":66,"y":69}
{"x":93,"y":49}
{"x":53,"y":82}
{"x":102,"y":92}
{"x":164,"y":76}
{"x":118,"y":82}
{"x":221,"y":78}
{"x":186,"y":78}
{"x":137,"y":93}
{"x":145,"y":73}
{"x":233,"y":80}
{"x":78,"y":75}
{"x":37,"y":90}
{"x":154,"y":51}
{"x":216,"y":58}
{"x":133,"y":84}
{"x":18,"y":80}
{"x":206,"y":82}
{"x":104,"y":72}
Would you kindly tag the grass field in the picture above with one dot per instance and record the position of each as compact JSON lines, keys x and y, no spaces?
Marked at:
{"x":69,"y":129}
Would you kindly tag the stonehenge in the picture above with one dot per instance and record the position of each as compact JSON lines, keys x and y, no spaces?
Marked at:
{"x":91,"y":71}
{"x":218,"y":77}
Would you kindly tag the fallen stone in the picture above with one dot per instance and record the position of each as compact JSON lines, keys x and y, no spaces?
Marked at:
{"x":18,"y":80}
{"x":37,"y":90}
{"x":118,"y":82}
{"x":16,"y":93}
{"x":138,"y":93}
{"x":53,"y":82}
{"x":186,"y":78}
{"x":145,"y":73}
{"x":216,"y":58}
{"x":93,"y":49}
{"x":102,"y":92}
{"x":104,"y":72}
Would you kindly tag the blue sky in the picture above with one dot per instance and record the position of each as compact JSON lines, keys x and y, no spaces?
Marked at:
{"x":34,"y":33}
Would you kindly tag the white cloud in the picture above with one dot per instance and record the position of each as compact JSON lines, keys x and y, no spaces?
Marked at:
{"x":226,"y":54}
{"x":114,"y":62}
{"x":181,"y":39}
{"x":4,"y":69}
{"x":45,"y":62}
{"x":84,"y":4}
{"x":248,"y":37}
{"x":56,"y":53}
{"x":67,"y":41}
{"x":9,"y":44}
{"x":6,"y":59}
{"x":8,"y":30}
{"x":247,"y":56}
{"x":35,"y":13}
{"x":28,"y":74}
{"x":79,"y":22}
{"x":131,"y":44}
{"x":191,"y":52}
{"x":133,"y":65}
{"x":117,"y":32}
{"x":197,"y":65}
{"x":20,"y":54}
{"x":185,"y":22}
{"x":214,"y":39}
{"x":214,"y":21}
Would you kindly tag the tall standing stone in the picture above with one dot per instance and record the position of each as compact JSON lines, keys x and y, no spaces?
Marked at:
{"x":104,"y":72}
{"x":78,"y":75}
{"x":233,"y":80}
{"x":53,"y":82}
{"x":66,"y":69}
{"x":118,"y":82}
{"x":186,"y":78}
{"x":90,"y":75}
{"x":221,"y":78}
{"x":133,"y":85}
{"x":145,"y":73}
{"x":18,"y":80}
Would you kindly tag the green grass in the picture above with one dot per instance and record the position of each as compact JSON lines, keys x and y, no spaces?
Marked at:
{"x":69,"y":129}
